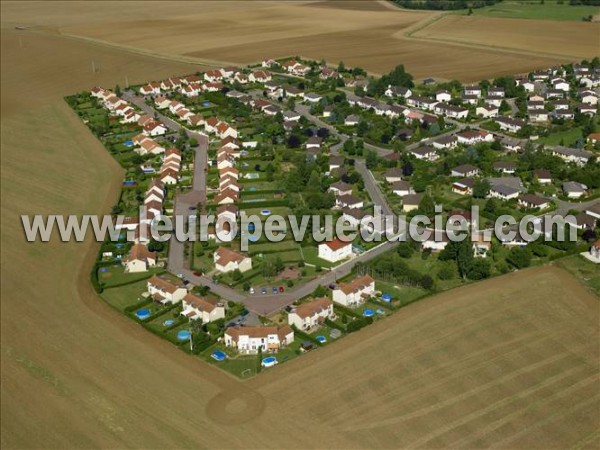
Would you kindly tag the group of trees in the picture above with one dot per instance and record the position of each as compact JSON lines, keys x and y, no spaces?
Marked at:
{"x":391,"y":266}
{"x":467,"y":265}
{"x":397,"y":77}
{"x":446,"y":5}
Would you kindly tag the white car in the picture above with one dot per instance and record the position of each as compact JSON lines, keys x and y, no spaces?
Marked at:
{"x":251,"y":290}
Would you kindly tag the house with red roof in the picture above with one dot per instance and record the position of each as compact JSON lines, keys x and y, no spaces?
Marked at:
{"x":335,"y":250}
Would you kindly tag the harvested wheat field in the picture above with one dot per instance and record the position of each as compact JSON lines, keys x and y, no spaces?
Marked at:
{"x":512,"y":362}
{"x":369,"y":34}
{"x":576,"y":40}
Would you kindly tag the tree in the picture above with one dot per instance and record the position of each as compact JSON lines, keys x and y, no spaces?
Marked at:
{"x":481,"y":188}
{"x":236,"y":275}
{"x":293,"y":141}
{"x":426,"y":282}
{"x":427,"y":206}
{"x":470,"y":13}
{"x":479,"y":269}
{"x":117,"y":90}
{"x":362,"y":128}
{"x":405,"y":250}
{"x":407,"y":169}
{"x":491,"y":206}
{"x":371,"y":159}
{"x":519,"y":257}
{"x":341,"y":67}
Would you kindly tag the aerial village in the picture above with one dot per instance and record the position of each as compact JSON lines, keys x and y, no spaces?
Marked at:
{"x":295,"y":137}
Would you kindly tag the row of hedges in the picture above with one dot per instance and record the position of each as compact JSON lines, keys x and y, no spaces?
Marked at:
{"x":306,"y":336}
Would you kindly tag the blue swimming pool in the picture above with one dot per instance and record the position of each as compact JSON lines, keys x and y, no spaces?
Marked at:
{"x":380,"y":311}
{"x":265,"y":212}
{"x":251,"y":189}
{"x":128,"y":143}
{"x":269,"y":361}
{"x":251,"y":227}
{"x":103,"y":269}
{"x":206,"y":103}
{"x":218,"y":355}
{"x":252,"y":176}
{"x":142,"y":313}
{"x":321,"y":339}
{"x":253,"y":238}
{"x":129,"y":183}
{"x":168,"y":322}
{"x":368,"y":312}
{"x":183,"y":335}
{"x":386,"y":297}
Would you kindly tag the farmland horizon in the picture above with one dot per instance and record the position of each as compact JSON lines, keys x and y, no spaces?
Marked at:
{"x":510,"y":362}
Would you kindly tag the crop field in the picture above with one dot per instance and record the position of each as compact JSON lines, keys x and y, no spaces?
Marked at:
{"x":575,"y":40}
{"x":511,"y":362}
{"x":372,"y":35}
{"x":552,"y":10}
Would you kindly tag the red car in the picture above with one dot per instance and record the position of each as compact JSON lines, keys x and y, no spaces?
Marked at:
{"x":281,"y":289}
{"x":197,"y":273}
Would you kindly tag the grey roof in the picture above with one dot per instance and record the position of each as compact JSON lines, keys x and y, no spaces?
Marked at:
{"x":505,"y":190}
{"x":512,"y":182}
{"x":573,"y":186}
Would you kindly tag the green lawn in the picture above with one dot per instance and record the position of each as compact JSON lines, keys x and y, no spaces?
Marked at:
{"x":124,"y":296}
{"x":550,"y":10}
{"x":568,"y":137}
{"x":311,"y":257}
{"x":116,"y":275}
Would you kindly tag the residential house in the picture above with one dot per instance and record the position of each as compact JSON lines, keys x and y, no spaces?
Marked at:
{"x":397,"y":91}
{"x":472,"y":137}
{"x":354,"y":293}
{"x":443,"y":96}
{"x":392,"y":175}
{"x":227,"y":260}
{"x":139,"y":259}
{"x":487,"y":111}
{"x":542,"y":176}
{"x":574,"y":155}
{"x":465,"y":170}
{"x":463,"y":187}
{"x":424,"y":153}
{"x":401,"y":188}
{"x":340,"y":188}
{"x":251,"y":340}
{"x":164,"y":291}
{"x":509,"y":124}
{"x":202,"y":308}
{"x":351,"y":120}
{"x":573,"y":189}
{"x":511,"y":144}
{"x":411,"y":202}
{"x":334,"y":251}
{"x":594,"y":210}
{"x":508,"y":167}
{"x":348,"y":201}
{"x":531,"y":201}
{"x":311,"y":315}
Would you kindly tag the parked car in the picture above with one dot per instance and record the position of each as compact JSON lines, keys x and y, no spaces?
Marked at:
{"x":281,"y":289}
{"x":263,"y":291}
{"x":251,"y":290}
{"x":275,"y":290}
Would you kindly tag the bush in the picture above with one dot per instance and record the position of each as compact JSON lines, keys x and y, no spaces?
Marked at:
{"x":405,"y":250}
{"x":446,"y":272}
{"x":519,"y":257}
{"x":426,"y":282}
